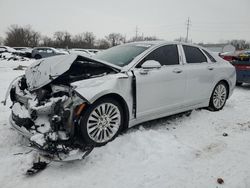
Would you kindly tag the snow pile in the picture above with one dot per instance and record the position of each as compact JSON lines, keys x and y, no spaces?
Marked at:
{"x":11,"y":56}
{"x":21,"y":111}
{"x":173,"y":152}
{"x":38,"y":138}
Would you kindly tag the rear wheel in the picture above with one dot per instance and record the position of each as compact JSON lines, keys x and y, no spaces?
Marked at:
{"x":219,"y":97}
{"x":102,"y":121}
{"x":37,"y":56}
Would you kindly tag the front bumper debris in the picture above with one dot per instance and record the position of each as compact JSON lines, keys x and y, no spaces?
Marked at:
{"x":56,"y":152}
{"x":49,"y":121}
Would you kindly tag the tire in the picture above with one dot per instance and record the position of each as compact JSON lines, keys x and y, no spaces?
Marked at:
{"x":37,"y":56}
{"x":102,"y":122}
{"x":239,"y":83}
{"x":219,"y":97}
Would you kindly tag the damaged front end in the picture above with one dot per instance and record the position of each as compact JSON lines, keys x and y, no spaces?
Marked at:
{"x":49,"y":117}
{"x":48,"y":112}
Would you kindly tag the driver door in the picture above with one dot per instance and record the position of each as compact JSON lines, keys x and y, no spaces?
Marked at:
{"x":160,"y":90}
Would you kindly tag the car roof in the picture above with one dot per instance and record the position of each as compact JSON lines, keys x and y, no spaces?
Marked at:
{"x":161,"y":42}
{"x":151,"y":45}
{"x":21,"y":47}
{"x":44,"y":48}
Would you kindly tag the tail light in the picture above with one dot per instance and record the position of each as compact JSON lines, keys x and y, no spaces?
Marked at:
{"x":227,"y":58}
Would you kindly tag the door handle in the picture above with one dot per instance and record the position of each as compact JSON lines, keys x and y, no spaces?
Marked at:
{"x":144,"y":71}
{"x":177,"y":71}
{"x":210,"y":68}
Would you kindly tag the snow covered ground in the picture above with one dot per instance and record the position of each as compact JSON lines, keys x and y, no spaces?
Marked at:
{"x":171,"y":152}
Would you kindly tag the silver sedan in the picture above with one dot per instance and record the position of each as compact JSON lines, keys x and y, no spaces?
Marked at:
{"x":66,"y":97}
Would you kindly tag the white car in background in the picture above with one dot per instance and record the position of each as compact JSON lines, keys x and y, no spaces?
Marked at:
{"x":7,"y":49}
{"x":9,"y":53}
{"x":81,"y":51}
{"x":43,"y":52}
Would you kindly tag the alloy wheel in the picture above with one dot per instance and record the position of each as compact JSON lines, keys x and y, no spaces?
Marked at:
{"x":103,"y":122}
{"x":219,"y":96}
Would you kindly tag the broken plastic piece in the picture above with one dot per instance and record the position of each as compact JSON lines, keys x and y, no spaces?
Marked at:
{"x":220,"y":181}
{"x":37,"y":167}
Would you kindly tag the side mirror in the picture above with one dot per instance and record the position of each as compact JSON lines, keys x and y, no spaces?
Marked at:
{"x":151,"y":64}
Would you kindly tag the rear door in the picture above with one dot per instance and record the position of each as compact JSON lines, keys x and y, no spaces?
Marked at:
{"x":162,"y":89}
{"x":200,"y":75}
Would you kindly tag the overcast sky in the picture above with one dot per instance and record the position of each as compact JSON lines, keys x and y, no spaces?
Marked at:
{"x":211,"y":20}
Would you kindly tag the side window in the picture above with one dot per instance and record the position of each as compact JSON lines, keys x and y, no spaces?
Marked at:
{"x":41,"y":50}
{"x":209,"y":56}
{"x":194,"y":55}
{"x":49,"y":51}
{"x":165,"y":55}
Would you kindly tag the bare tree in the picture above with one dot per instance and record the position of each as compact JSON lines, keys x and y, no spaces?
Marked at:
{"x":150,"y":38}
{"x":115,"y":39}
{"x":142,"y":38}
{"x":47,"y":41}
{"x":84,"y":40}
{"x":21,"y":36}
{"x":1,"y":40}
{"x":240,"y":44}
{"x":103,"y":44}
{"x":89,"y":39}
{"x":181,"y":39}
{"x":78,"y":41}
{"x":62,"y":39}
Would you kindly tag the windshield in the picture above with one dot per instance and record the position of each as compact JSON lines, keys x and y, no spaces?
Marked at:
{"x":121,"y":55}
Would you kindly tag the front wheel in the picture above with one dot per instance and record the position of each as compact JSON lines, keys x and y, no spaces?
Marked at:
{"x":218,"y":97}
{"x":102,"y":121}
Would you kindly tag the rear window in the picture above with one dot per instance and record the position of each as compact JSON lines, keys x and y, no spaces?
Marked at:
{"x":209,"y":56}
{"x":194,"y":55}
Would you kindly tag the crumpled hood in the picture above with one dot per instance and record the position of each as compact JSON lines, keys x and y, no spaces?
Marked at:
{"x":44,"y":71}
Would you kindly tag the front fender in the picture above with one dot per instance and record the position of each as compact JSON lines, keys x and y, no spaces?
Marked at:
{"x":93,"y":89}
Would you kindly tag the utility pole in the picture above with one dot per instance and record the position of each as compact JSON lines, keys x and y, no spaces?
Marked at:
{"x":188,"y":25}
{"x":136,"y":32}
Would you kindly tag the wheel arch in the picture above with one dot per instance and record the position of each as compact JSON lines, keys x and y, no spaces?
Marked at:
{"x":227,"y":86}
{"x":211,"y":106}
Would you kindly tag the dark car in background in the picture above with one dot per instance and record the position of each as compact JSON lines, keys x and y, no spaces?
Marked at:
{"x":242,"y":66}
{"x":241,"y":61}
